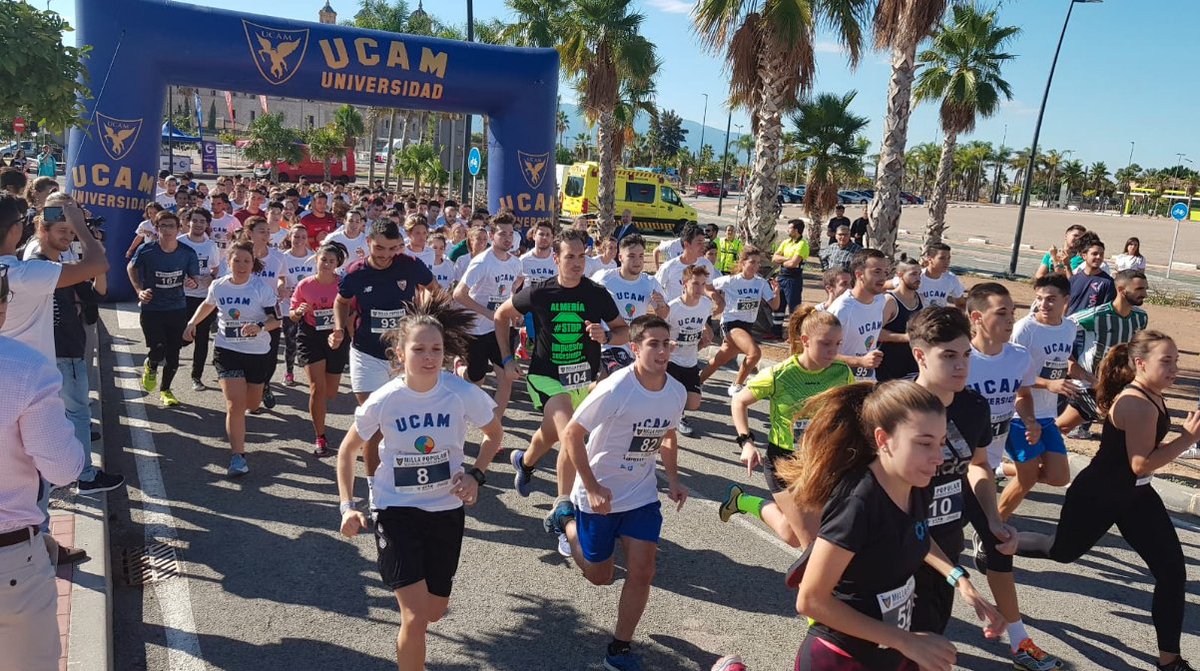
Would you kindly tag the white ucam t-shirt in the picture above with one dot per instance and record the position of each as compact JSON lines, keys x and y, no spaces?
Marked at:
{"x":942,"y":291}
{"x":998,"y":378}
{"x":296,"y":268}
{"x":210,"y":264}
{"x":742,"y":297}
{"x":671,"y":249}
{"x":445,"y":273}
{"x":223,"y":229}
{"x":490,"y":282}
{"x":1049,"y":349}
{"x":861,"y":323}
{"x":537,"y":269}
{"x":356,"y":248}
{"x":594,"y":265}
{"x":423,"y":437}
{"x":31,"y":311}
{"x":626,"y":423}
{"x":687,"y":326}
{"x":631,"y":296}
{"x":238,"y":305}
{"x":670,"y":275}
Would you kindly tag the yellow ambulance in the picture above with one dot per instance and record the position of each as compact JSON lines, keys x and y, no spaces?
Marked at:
{"x":651,"y":197}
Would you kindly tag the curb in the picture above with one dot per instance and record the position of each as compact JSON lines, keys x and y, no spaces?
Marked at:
{"x":89,"y":646}
{"x":1177,"y":498}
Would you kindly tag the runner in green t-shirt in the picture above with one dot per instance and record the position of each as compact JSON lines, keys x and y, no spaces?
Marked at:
{"x":811,"y":369}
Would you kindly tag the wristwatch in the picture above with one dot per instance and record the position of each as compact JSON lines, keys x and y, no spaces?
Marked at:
{"x":345,"y":507}
{"x":956,"y":574}
{"x":478,"y":475}
{"x":744,"y":438}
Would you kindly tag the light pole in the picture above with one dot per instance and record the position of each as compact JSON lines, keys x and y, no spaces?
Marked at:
{"x":724,"y":162}
{"x":703,"y":120}
{"x":996,"y":179}
{"x":1129,"y":183}
{"x":1037,"y":130}
{"x":466,"y":148}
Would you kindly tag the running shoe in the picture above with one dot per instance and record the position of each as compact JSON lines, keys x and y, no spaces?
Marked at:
{"x":289,"y":379}
{"x":1032,"y":658}
{"x":555,"y":522}
{"x":735,"y":388}
{"x":729,"y":663}
{"x":729,"y":507}
{"x":685,"y":427}
{"x":1081,"y":432}
{"x":197,"y":385}
{"x":238,"y":466}
{"x":1191,"y":453}
{"x":322,"y":450}
{"x":626,"y":661}
{"x":1178,"y":665}
{"x":268,"y":398}
{"x":168,"y":399}
{"x":149,"y":377}
{"x":564,"y":546}
{"x":523,"y":477}
{"x":103,"y":482}
{"x":980,"y":554}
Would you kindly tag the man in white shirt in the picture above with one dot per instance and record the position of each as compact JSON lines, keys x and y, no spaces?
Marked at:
{"x":538,"y":263}
{"x":939,"y":286}
{"x":224,"y":225}
{"x":861,"y":312}
{"x":36,"y":442}
{"x":670,"y":273}
{"x":166,"y":197}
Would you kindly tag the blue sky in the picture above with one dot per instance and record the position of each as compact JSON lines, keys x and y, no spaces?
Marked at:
{"x":1123,"y":76}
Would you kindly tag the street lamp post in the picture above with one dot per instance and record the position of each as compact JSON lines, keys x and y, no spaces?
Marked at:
{"x":466,"y":148}
{"x":703,"y":120}
{"x":1037,"y":130}
{"x":724,"y":162}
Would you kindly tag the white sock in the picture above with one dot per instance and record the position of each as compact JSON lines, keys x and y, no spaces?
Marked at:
{"x":1016,"y":634}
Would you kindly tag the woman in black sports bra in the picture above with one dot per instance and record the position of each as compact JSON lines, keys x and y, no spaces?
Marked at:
{"x":1115,"y":486}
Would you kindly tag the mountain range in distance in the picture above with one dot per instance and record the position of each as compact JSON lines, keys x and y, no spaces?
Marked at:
{"x":576,"y":124}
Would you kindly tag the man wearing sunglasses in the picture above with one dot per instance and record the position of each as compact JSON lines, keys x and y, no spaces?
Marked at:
{"x":36,"y":441}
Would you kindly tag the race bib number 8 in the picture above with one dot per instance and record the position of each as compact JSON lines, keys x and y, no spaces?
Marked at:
{"x":896,"y":606}
{"x":574,"y":376}
{"x":383,"y":321}
{"x":414,"y":473}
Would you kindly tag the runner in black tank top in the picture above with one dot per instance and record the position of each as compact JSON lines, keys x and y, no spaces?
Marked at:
{"x":898,"y":361}
{"x":1115,"y":486}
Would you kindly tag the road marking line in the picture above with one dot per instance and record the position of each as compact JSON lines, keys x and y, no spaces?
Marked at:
{"x":174,"y":596}
{"x":741,"y":520}
{"x":128,"y":316}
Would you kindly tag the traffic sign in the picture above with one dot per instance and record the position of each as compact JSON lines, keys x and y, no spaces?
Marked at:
{"x":19,"y":125}
{"x":473,"y":161}
{"x":1180,"y":211}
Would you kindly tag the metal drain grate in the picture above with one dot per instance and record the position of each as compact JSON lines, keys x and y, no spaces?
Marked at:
{"x":152,"y":563}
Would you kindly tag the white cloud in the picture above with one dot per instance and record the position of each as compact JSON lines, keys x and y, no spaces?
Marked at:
{"x":828,"y":47}
{"x":1017,"y":108}
{"x":673,"y":6}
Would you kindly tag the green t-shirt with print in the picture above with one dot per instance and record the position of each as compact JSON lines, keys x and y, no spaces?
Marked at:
{"x":788,"y":385}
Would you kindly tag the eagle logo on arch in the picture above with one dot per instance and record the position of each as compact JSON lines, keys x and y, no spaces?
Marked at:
{"x":117,"y":136}
{"x":275,"y":49}
{"x":533,"y":167}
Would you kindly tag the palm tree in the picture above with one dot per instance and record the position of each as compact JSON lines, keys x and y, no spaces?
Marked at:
{"x":961,"y":70}
{"x":768,"y":49}
{"x":561,"y":123}
{"x":1073,"y":174}
{"x":583,"y":150}
{"x":1125,"y":178}
{"x":1050,"y":161}
{"x":1097,"y":176}
{"x":600,"y":47}
{"x":899,"y":26}
{"x":535,"y":24}
{"x":999,"y":158}
{"x":827,"y":136}
{"x":745,"y":143}
{"x":633,"y":99}
{"x":415,"y":161}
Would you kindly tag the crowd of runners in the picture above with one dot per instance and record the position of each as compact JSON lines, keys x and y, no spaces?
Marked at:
{"x":905,"y":399}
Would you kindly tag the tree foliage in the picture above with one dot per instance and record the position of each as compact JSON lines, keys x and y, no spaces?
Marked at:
{"x":827,"y":138}
{"x":326,"y":144}
{"x":269,"y":140}
{"x":44,"y":79}
{"x":349,"y":124}
{"x":667,"y":134}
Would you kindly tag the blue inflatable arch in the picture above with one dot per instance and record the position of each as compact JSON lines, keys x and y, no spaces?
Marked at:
{"x":141,"y":46}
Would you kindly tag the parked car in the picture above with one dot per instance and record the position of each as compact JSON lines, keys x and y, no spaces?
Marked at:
{"x":710,"y":189}
{"x":853,"y":198}
{"x":789,"y":195}
{"x":342,"y":170}
{"x":911,"y":199}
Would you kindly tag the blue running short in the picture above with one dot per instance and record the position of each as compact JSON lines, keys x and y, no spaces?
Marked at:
{"x":1021,"y":451}
{"x":598,"y":533}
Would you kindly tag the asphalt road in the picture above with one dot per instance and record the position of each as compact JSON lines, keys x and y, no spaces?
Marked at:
{"x":268,"y":583}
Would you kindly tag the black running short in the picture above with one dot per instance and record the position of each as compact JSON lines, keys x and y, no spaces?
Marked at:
{"x":1085,"y":404}
{"x":613,"y":359}
{"x":688,"y":377}
{"x":729,"y":326}
{"x":774,"y":455}
{"x":416,"y":545}
{"x":482,"y":352}
{"x":231,"y":365}
{"x":312,"y":346}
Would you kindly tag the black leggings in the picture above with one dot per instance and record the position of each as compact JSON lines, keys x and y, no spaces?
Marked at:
{"x":1091,"y":508}
{"x":201,"y":339}
{"x":164,"y":337}
{"x":289,"y":329}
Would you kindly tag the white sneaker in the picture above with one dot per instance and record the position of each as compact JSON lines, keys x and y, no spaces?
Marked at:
{"x":1191,"y":453}
{"x":735,"y":388}
{"x":564,"y":546}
